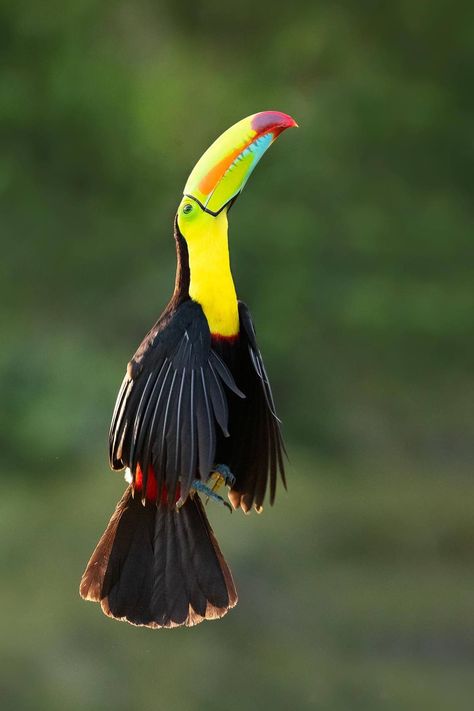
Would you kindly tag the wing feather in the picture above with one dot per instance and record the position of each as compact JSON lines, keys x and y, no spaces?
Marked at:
{"x":117,"y":434}
{"x":258,"y":427}
{"x":219,"y":401}
{"x":171,"y":403}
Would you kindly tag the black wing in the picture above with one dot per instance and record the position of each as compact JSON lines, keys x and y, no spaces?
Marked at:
{"x":170,"y":401}
{"x":257,"y":456}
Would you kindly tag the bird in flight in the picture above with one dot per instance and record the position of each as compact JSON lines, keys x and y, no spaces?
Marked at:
{"x":195,"y":411}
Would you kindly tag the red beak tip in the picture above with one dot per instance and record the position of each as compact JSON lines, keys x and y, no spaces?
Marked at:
{"x":268,"y":120}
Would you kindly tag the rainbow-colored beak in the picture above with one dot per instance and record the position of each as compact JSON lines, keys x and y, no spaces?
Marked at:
{"x":221,"y":173}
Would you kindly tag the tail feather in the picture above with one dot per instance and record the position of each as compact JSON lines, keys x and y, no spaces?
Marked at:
{"x":218,"y":590}
{"x":159,"y":567}
{"x":127,"y":580}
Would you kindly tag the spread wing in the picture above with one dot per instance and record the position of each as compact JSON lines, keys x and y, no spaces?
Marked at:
{"x":258,"y":457}
{"x":172,"y":400}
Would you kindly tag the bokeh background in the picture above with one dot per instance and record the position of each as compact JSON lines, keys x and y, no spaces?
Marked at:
{"x":353,"y":246}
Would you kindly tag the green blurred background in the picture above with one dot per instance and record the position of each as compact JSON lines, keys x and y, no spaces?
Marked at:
{"x":353,"y":246}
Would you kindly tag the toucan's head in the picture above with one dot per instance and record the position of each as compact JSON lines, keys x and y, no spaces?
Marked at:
{"x":221,"y":173}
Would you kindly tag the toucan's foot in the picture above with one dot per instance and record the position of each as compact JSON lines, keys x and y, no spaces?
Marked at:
{"x":221,"y":474}
{"x":208,"y":491}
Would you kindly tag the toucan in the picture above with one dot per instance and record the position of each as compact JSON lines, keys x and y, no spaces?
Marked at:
{"x":195,"y":411}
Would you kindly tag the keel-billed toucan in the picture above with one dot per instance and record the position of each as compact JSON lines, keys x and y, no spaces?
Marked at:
{"x":195,"y":408}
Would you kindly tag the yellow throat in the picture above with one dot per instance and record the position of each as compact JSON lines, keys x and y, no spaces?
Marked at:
{"x":211,"y":283}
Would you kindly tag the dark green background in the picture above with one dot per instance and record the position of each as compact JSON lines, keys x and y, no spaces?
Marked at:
{"x":353,"y":246}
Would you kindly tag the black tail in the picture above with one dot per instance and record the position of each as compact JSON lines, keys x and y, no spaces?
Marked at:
{"x":159,"y":567}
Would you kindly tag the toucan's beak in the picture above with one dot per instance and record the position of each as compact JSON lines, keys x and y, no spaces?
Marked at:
{"x":221,"y":173}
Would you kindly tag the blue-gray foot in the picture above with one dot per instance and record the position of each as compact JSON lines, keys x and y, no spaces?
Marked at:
{"x":220,"y":476}
{"x":223,"y":475}
{"x":209,"y":492}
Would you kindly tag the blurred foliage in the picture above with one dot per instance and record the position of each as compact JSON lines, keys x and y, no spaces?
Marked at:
{"x":352,"y":245}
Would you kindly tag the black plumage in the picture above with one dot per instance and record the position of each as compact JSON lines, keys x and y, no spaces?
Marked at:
{"x":189,"y":400}
{"x":255,"y":450}
{"x":172,"y":401}
{"x":148,"y":570}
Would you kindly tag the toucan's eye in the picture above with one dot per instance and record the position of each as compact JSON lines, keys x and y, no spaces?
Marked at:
{"x":187,"y":208}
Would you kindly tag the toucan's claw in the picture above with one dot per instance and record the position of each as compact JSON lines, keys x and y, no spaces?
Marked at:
{"x":220,"y":476}
{"x":206,"y":490}
{"x":222,"y":473}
